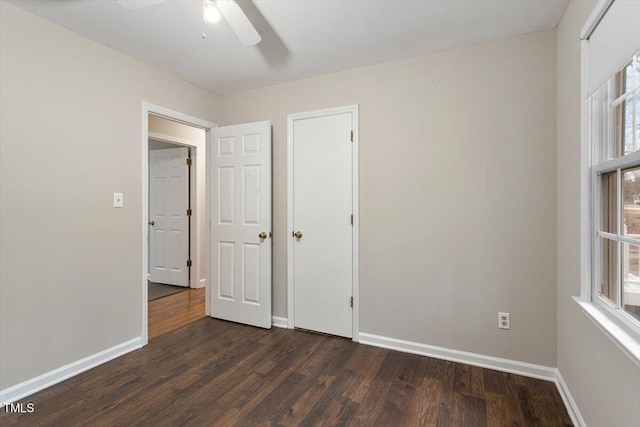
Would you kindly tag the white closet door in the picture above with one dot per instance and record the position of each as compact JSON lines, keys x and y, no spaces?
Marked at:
{"x":322,"y":209}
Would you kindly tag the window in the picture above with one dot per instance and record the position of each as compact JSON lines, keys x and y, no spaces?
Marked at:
{"x":615,"y":142}
{"x":611,"y":172}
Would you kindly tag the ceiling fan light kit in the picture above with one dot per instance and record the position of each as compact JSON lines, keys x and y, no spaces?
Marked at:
{"x":211,"y":13}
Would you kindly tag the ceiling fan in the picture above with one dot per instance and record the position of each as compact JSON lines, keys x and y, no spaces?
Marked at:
{"x":212,"y":11}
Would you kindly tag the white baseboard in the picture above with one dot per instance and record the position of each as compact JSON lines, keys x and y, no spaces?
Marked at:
{"x":474,"y":359}
{"x":202,"y":283}
{"x":279,"y":322}
{"x":569,"y":403}
{"x":29,"y":387}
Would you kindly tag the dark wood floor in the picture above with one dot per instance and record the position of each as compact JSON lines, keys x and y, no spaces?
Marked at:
{"x":212,"y":373}
{"x":172,"y":312}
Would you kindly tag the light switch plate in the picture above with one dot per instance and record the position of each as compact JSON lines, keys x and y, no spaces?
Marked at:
{"x":118,"y":201}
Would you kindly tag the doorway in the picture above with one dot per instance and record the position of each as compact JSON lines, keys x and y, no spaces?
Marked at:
{"x":175,"y":216}
{"x":176,"y":290}
{"x":323,"y":219}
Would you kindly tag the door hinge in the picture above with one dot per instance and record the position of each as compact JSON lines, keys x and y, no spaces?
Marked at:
{"x":189,"y":212}
{"x":189,"y":161}
{"x":351,"y":136}
{"x":188,"y":263}
{"x":351,"y":302}
{"x":351,"y":219}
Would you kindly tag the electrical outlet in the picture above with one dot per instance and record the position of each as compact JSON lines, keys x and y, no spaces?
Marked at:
{"x":504,"y":320}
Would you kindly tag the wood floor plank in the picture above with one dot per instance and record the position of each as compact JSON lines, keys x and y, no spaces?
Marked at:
{"x":429,"y":402}
{"x":494,"y":382}
{"x":211,"y":372}
{"x":436,"y":369}
{"x":500,"y":412}
{"x":279,"y":400}
{"x":331,"y":406}
{"x":189,"y":411}
{"x":339,"y":412}
{"x":526,"y":405}
{"x":400,"y":404}
{"x":477,"y":382}
{"x":294,"y":415}
{"x":445,"y":414}
{"x":364,"y":363}
{"x":131,"y":408}
{"x":172,"y":312}
{"x":462,"y":379}
{"x":371,"y":406}
{"x":469,"y":411}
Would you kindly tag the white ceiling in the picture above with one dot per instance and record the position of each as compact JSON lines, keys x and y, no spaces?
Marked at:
{"x":300,"y":38}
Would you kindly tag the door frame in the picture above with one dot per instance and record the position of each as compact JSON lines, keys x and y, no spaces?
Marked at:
{"x":291,"y":118}
{"x":148,"y":108}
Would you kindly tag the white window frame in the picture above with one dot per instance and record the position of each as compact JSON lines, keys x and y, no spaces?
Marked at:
{"x":618,"y":326}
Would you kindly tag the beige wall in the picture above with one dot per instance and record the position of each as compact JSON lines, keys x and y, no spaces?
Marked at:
{"x":602,"y":380}
{"x":457,"y":192}
{"x":196,"y":136}
{"x":70,"y":129}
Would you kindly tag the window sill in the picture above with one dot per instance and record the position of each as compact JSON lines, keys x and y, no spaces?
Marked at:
{"x":626,"y":342}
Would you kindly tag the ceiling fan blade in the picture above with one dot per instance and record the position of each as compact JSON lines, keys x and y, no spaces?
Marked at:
{"x":239,"y":22}
{"x":138,"y":4}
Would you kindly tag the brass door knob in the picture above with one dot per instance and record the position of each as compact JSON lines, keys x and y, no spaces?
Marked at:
{"x":262,"y":235}
{"x":298,"y":234}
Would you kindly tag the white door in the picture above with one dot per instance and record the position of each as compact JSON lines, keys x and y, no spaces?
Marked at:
{"x":168,"y":220}
{"x":241,"y":223}
{"x":322,"y":209}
